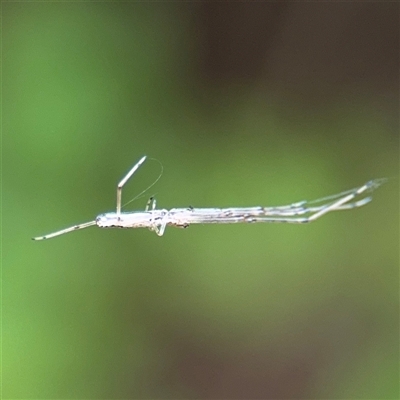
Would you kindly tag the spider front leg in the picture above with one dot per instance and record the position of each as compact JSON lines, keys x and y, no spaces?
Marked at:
{"x":151,"y":203}
{"x":157,"y":228}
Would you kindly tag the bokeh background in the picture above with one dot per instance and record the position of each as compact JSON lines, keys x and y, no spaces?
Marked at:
{"x":243,"y":104}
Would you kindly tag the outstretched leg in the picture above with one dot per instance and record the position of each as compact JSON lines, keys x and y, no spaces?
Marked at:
{"x":340,"y":203}
{"x":70,"y":229}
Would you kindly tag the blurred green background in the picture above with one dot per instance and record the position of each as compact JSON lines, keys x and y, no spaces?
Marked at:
{"x":243,"y":104}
